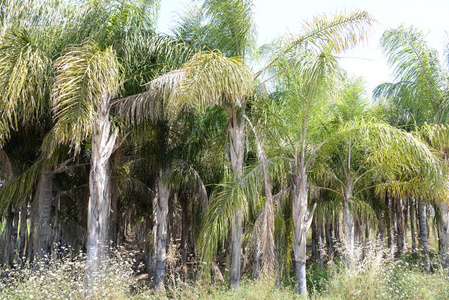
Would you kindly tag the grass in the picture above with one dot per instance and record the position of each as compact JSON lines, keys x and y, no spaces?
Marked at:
{"x":373,"y":274}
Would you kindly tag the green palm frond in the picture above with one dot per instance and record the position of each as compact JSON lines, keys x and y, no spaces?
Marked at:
{"x":18,"y":191}
{"x":333,"y":34}
{"x":231,"y":25}
{"x":337,"y":32}
{"x":86,"y":76}
{"x":416,"y":68}
{"x":437,"y":135}
{"x":25,"y":78}
{"x":211,"y":79}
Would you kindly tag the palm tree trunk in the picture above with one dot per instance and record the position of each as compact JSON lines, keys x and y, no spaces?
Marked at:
{"x":33,"y":231}
{"x":236,"y":149}
{"x":412,"y":224}
{"x":103,"y":142}
{"x":423,"y":229}
{"x":162,"y":220}
{"x":266,"y":237}
{"x":314,"y":241}
{"x":399,"y":228}
{"x":348,"y":222}
{"x":321,"y":250}
{"x":381,"y":229}
{"x":43,"y":236}
{"x":7,"y":238}
{"x":443,"y":233}
{"x":301,"y":223}
{"x":23,"y":232}
{"x":14,"y":234}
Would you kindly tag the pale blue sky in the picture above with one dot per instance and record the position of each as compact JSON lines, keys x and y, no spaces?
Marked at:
{"x":276,"y":17}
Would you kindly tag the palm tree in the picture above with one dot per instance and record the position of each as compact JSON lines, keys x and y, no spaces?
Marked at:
{"x":307,"y":76}
{"x":419,"y":92}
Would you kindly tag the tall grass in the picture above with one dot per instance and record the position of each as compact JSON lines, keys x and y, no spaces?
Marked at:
{"x":372,"y":274}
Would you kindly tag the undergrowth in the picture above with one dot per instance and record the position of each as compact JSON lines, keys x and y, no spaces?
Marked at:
{"x":370,"y":273}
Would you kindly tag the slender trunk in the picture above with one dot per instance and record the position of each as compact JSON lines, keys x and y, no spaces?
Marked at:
{"x":236,"y":246}
{"x":43,"y":237}
{"x":348,"y":222}
{"x":152,"y":253}
{"x":404,"y":224}
{"x":412,"y":223}
{"x":315,"y":245}
{"x":14,"y":234}
{"x":399,"y":228}
{"x":55,"y":241}
{"x":103,"y":142}
{"x":23,"y":232}
{"x":367,"y":231}
{"x":256,"y":262}
{"x":301,"y":223}
{"x":329,"y":238}
{"x":266,"y":239}
{"x":113,"y":223}
{"x":162,"y":216}
{"x":185,"y":229}
{"x":388,"y":221}
{"x":236,"y":148}
{"x":381,"y":229}
{"x":320,"y":232}
{"x":33,"y":231}
{"x":7,"y":239}
{"x":423,"y":229}
{"x":443,"y":233}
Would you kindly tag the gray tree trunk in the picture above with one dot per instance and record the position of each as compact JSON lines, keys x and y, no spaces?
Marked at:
{"x":423,"y":229}
{"x":103,"y":142}
{"x":33,"y":230}
{"x":236,"y":151}
{"x":43,"y":237}
{"x":23,"y":235}
{"x":348,"y":222}
{"x":264,"y":253}
{"x":7,"y":239}
{"x":412,"y":224}
{"x":443,"y":233}
{"x":152,"y":241}
{"x":14,"y":234}
{"x":162,"y":220}
{"x":301,"y":224}
{"x":399,"y":228}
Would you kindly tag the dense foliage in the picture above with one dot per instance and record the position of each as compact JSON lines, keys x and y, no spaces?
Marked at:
{"x":176,"y":149}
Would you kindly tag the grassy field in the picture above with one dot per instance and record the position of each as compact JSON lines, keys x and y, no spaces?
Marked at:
{"x":372,"y":275}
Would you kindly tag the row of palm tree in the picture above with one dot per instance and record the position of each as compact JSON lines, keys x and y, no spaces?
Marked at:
{"x":107,"y":125}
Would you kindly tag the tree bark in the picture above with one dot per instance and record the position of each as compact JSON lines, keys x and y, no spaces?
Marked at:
{"x":236,"y":149}
{"x":265,"y":244}
{"x":423,"y":229}
{"x":412,"y":224}
{"x":301,"y":223}
{"x":162,"y":220}
{"x":7,"y":239}
{"x":23,"y":233}
{"x":399,"y":228}
{"x":43,"y":237}
{"x":33,"y":231}
{"x":103,"y":142}
{"x":14,"y":234}
{"x":348,"y":221}
{"x":443,"y":233}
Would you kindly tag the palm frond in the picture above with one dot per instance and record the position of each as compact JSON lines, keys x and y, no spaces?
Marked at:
{"x":417,"y":67}
{"x":86,"y":76}
{"x":210,"y":79}
{"x":231,"y":25}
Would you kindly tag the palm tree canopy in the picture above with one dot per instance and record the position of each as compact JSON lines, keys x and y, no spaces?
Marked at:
{"x":86,"y":76}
